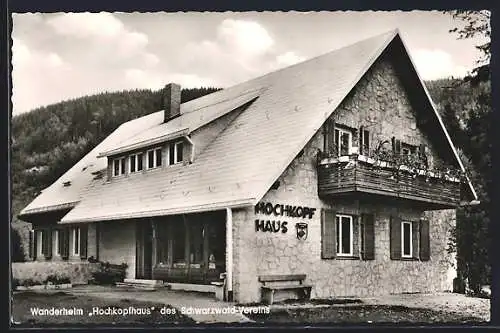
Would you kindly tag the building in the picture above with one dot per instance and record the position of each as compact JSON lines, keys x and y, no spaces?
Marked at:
{"x":339,"y":168}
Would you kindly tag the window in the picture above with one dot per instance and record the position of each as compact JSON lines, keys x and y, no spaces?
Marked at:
{"x":119,"y":166}
{"x":154,"y":157}
{"x":151,"y":156}
{"x":179,"y":146}
{"x":139,"y":161}
{"x":116,"y":167}
{"x":344,"y":235}
{"x":122,"y":166}
{"x":158,"y":157}
{"x":364,"y":141}
{"x":406,"y":240}
{"x":343,"y":141}
{"x":57,"y":251}
{"x":135,"y":163}
{"x":175,"y":153}
{"x":39,"y":245}
{"x":76,"y":241}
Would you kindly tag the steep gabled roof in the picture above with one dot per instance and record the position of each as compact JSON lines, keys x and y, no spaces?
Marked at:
{"x":242,"y":163}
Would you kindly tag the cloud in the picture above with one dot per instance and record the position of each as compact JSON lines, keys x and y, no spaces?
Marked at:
{"x":287,"y":59}
{"x":32,"y":72}
{"x":245,"y":38}
{"x":85,"y":25}
{"x":105,"y":34}
{"x":246,"y":48}
{"x":20,"y":53}
{"x":436,"y":64}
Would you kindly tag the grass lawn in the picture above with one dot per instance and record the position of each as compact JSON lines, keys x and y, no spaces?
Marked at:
{"x":25,"y":302}
{"x":359,"y":314}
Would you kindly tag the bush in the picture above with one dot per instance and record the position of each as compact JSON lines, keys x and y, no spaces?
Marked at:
{"x":28,"y":283}
{"x":109,"y":273}
{"x":54,"y":279}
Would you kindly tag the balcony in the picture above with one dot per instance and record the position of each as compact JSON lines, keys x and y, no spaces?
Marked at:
{"x":360,"y":175}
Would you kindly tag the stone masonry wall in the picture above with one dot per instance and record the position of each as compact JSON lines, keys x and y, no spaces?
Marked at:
{"x":381,"y":105}
{"x":257,"y":253}
{"x":117,"y":244}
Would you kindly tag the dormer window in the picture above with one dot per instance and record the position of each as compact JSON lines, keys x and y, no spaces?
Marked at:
{"x":119,"y":166}
{"x":135,"y":162}
{"x":175,"y":152}
{"x":154,"y":158}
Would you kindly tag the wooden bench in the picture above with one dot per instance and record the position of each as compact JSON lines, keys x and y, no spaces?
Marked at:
{"x":291,"y":282}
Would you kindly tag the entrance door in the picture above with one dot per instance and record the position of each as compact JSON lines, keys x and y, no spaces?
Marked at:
{"x":144,"y":250}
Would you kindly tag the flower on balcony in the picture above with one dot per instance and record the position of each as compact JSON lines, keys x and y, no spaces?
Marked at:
{"x":413,"y":164}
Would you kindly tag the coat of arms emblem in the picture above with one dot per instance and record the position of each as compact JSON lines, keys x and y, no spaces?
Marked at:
{"x":301,"y":230}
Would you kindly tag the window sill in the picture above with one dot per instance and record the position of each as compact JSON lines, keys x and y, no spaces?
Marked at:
{"x":339,"y":257}
{"x":407,"y":259}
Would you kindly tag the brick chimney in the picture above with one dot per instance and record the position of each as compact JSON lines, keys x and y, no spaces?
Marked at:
{"x":171,"y":101}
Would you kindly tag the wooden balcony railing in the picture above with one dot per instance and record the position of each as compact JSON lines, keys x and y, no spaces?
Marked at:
{"x":351,"y":174}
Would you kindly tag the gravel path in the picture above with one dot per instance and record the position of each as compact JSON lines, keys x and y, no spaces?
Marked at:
{"x":449,"y":302}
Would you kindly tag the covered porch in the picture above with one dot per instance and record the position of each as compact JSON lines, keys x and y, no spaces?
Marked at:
{"x":187,"y":248}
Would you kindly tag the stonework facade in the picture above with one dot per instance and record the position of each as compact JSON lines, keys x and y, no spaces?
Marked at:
{"x":380,"y":98}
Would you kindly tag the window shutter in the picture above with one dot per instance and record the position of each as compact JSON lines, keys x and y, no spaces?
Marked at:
{"x":368,"y":236}
{"x":425,"y":246}
{"x":44,"y":241}
{"x":47,"y":243}
{"x":35,"y":244}
{"x":361,"y":140}
{"x":422,"y":151}
{"x":396,"y":145}
{"x":415,"y":233}
{"x":356,"y":236}
{"x":330,"y":136}
{"x":366,"y":142}
{"x":83,"y":241}
{"x":395,"y":231}
{"x":61,"y":242}
{"x":328,"y":246}
{"x":32,"y":244}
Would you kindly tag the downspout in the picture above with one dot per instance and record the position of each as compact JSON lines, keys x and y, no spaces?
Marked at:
{"x":229,"y":254}
{"x":188,"y":139}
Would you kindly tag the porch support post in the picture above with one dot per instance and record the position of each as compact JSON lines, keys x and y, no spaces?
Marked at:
{"x":229,"y":254}
{"x":154,"y":245}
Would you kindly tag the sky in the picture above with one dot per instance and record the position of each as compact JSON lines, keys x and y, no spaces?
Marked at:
{"x":60,"y":56}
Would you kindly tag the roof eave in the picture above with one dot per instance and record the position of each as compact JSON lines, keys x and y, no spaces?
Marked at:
{"x":164,"y":212}
{"x":146,"y":143}
{"x":25,"y":213}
